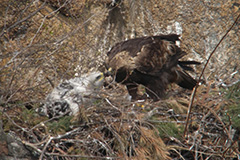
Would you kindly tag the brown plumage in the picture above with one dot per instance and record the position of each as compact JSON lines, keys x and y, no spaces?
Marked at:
{"x":151,"y":61}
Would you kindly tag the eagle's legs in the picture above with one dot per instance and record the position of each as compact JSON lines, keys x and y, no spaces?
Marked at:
{"x":155,"y":93}
{"x":152,"y":94}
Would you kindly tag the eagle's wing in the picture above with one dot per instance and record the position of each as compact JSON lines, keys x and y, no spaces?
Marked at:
{"x":148,"y":55}
{"x":157,"y":57}
{"x":133,"y":46}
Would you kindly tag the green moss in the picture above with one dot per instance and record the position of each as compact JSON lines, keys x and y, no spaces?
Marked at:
{"x":98,"y":53}
{"x":97,"y":102}
{"x":60,"y":126}
{"x":20,"y":115}
{"x":170,"y":130}
{"x":234,"y":92}
{"x":233,"y":113}
{"x":232,"y":109}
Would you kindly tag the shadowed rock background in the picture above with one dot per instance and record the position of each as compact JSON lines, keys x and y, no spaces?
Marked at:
{"x":42,"y":42}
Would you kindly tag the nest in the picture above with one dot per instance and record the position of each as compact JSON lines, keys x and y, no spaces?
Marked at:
{"x":115,"y":128}
{"x":110,"y":128}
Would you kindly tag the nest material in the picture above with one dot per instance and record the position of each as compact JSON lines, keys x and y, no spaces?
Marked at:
{"x":115,"y":128}
{"x":102,"y":130}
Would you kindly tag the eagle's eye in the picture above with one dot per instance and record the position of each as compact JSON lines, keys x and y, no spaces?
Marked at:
{"x":100,"y":77}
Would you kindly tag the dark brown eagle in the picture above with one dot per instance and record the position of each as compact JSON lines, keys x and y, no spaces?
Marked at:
{"x":152,"y":61}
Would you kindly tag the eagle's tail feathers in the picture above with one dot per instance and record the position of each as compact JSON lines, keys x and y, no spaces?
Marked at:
{"x":187,"y":68}
{"x":185,"y":65}
{"x":185,"y":80}
{"x":188,"y":62}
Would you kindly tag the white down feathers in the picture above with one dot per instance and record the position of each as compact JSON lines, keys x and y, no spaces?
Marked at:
{"x":70,"y":94}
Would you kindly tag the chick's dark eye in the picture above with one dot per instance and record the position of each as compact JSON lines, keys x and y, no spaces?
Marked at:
{"x":98,"y":77}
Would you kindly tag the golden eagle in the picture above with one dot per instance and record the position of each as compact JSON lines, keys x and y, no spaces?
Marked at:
{"x":152,"y":61}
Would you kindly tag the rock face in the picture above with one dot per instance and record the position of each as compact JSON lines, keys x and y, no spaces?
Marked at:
{"x":11,"y":148}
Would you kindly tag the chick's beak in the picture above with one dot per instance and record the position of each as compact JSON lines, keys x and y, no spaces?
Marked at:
{"x":102,"y":76}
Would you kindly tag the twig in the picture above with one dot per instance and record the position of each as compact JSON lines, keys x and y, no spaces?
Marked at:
{"x":55,"y":138}
{"x":22,"y":128}
{"x":82,"y":156}
{"x":32,"y":146}
{"x":117,"y":136}
{"x":24,"y":19}
{"x":35,"y":144}
{"x":112,"y":104}
{"x":62,"y":155}
{"x":205,"y":66}
{"x":45,"y":17}
{"x":201,"y":152}
{"x":45,"y":147}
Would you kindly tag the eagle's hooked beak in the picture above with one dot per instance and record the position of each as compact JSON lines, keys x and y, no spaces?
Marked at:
{"x":109,"y":72}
